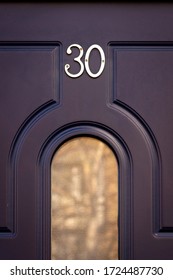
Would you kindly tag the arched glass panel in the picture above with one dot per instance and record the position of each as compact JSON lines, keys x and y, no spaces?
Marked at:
{"x":84,"y":201}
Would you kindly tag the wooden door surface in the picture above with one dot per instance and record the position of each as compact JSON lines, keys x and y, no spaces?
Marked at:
{"x":128,"y":104}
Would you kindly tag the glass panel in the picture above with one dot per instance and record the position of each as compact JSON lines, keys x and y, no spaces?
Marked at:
{"x":84,"y":182}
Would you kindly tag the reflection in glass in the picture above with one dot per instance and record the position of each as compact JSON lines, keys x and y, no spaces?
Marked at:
{"x":84,"y":185}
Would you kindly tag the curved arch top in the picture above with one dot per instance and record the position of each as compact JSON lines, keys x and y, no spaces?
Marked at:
{"x":123,"y":157}
{"x":130,"y":141}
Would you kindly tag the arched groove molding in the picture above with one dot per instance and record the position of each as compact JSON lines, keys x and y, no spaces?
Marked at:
{"x":51,"y":49}
{"x":14,"y":154}
{"x":155,"y":156}
{"x":56,"y":138}
{"x":123,"y":156}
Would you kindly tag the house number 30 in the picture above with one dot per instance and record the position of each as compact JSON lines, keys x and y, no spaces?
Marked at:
{"x":86,"y":61}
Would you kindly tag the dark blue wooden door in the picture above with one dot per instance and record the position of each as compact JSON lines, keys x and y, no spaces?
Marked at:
{"x":129,"y":106}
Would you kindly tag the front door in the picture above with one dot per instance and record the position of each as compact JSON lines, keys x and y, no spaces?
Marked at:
{"x":101,"y":71}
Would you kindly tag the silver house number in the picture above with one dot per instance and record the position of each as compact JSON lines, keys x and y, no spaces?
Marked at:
{"x":86,"y":61}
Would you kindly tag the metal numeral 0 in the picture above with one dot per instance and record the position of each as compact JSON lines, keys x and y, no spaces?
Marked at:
{"x":87,"y":57}
{"x":102,"y":64}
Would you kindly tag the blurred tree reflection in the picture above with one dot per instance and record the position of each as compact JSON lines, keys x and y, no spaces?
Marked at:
{"x":84,"y":175}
